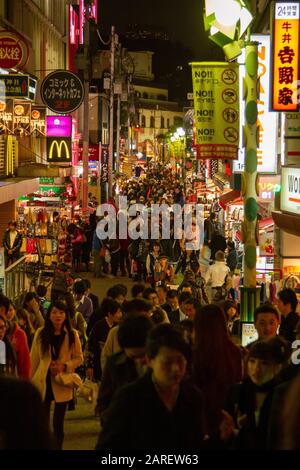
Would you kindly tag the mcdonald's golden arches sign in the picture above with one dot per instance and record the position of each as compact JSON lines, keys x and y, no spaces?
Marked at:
{"x":59,"y":150}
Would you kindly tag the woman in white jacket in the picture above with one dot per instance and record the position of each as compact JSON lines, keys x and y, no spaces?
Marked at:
{"x":56,"y":349}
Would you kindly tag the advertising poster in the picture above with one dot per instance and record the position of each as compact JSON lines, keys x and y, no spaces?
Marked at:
{"x":216,"y":102}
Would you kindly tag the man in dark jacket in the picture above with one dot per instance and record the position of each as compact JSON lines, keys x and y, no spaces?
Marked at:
{"x":287,"y":304}
{"x":159,"y":411}
{"x":127,"y":365}
{"x":12,"y":242}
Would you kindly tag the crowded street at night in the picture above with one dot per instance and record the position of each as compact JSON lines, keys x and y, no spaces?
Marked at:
{"x":149,"y":231}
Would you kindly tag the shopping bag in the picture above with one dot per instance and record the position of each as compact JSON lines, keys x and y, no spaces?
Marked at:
{"x":89,"y":391}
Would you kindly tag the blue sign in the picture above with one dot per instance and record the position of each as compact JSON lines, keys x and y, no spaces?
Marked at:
{"x":14,"y":86}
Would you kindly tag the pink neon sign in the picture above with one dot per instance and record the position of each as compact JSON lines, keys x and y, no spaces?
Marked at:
{"x":59,"y":126}
{"x":93,"y":13}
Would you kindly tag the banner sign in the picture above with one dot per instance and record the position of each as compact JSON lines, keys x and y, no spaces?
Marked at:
{"x":216,"y":102}
{"x":14,"y":51}
{"x":104,"y":164}
{"x":62,"y":91}
{"x":59,"y":126}
{"x":285,"y":57}
{"x":22,"y":117}
{"x":290,"y":190}
{"x":14,"y":86}
{"x":59,"y":149}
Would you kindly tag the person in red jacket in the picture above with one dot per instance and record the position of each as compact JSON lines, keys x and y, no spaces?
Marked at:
{"x":19,"y":342}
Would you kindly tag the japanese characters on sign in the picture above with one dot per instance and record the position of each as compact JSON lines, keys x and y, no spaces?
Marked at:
{"x":62,"y":91}
{"x":59,"y":126}
{"x":285,"y":60}
{"x":104,"y":164}
{"x":216,"y":101}
{"x":6,"y":116}
{"x":14,"y":86}
{"x":93,"y":152}
{"x":14,"y":50}
{"x":38,"y":120}
{"x":22,"y":117}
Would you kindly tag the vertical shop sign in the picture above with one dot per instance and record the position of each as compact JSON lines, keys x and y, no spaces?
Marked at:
{"x":92,"y":13}
{"x":285,"y":57}
{"x":216,"y":101}
{"x":22,"y":117}
{"x":104,"y":164}
{"x":38,"y":120}
{"x":6,"y":116}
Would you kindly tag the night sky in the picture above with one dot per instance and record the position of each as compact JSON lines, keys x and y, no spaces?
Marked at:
{"x":181,"y":19}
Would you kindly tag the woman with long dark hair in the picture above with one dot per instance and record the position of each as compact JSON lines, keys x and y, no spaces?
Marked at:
{"x":19,"y":343}
{"x":56,"y":349}
{"x":8,"y":366}
{"x":76,"y":318}
{"x":217,"y":363}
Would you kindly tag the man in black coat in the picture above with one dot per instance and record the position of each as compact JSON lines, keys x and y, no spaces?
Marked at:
{"x":12,"y":242}
{"x":287,"y":304}
{"x":159,"y":411}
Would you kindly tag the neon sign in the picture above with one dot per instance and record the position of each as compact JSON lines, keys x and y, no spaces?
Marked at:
{"x":92,"y":12}
{"x":59,"y":150}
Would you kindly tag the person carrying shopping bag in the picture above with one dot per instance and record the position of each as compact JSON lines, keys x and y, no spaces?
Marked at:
{"x":55,"y":354}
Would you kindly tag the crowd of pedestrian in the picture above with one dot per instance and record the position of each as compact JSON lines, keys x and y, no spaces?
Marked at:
{"x":166,"y":357}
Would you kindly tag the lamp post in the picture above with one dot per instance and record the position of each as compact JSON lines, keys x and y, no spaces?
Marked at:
{"x":228,"y":21}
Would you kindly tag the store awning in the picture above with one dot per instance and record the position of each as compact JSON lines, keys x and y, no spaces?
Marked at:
{"x":287,"y":222}
{"x":13,"y":188}
{"x":228,"y":197}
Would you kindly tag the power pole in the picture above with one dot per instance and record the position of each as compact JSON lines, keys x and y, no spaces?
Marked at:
{"x":111,"y":112}
{"x":86,"y":137}
{"x":118,"y":132}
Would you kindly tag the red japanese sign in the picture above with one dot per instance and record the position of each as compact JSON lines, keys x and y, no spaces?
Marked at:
{"x":14,"y":50}
{"x":285,"y":66}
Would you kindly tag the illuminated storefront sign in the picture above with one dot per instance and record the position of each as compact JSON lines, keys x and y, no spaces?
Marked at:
{"x":59,"y":149}
{"x":59,"y":126}
{"x":285,"y":57}
{"x":38,"y":120}
{"x":267,"y":187}
{"x":266,"y":120}
{"x":14,"y":86}
{"x":22,"y":117}
{"x":93,"y":14}
{"x":62,"y":91}
{"x":14,"y":50}
{"x":290,"y":190}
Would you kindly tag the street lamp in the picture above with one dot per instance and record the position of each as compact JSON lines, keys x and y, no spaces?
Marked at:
{"x":228,"y":21}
